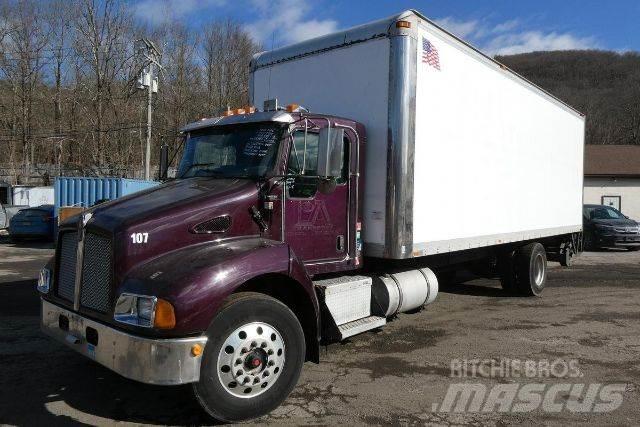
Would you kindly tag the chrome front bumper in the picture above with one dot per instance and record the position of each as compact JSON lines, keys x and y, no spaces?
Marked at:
{"x":151,"y":361}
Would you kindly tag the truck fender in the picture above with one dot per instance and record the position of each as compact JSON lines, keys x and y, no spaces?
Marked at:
{"x":196,"y":280}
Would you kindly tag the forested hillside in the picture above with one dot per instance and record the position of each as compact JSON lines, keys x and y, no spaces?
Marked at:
{"x":603,"y":85}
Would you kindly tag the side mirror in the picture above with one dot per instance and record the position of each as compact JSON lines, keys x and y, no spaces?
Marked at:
{"x":164,"y":162}
{"x":330,"y":152}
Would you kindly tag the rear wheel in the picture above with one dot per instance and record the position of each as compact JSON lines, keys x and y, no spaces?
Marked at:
{"x":525,"y":272}
{"x":252,"y":360}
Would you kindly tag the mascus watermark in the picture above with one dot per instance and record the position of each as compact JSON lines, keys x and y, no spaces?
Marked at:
{"x":518,"y":397}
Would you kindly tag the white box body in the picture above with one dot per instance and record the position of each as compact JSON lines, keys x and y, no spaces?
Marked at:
{"x":467,"y":156}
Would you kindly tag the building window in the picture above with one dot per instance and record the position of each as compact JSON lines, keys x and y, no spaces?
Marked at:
{"x":613,"y":201}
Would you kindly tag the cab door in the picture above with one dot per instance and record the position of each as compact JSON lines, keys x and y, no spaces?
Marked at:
{"x":316,"y":224}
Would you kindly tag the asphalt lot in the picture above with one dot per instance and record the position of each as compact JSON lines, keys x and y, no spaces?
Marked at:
{"x":588,"y":313}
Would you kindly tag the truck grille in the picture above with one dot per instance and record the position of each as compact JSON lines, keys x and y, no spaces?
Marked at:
{"x":67,"y":271}
{"x":95,"y":291}
{"x":95,"y":286}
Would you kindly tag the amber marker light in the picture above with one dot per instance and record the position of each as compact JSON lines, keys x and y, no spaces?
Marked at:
{"x":196,"y":350}
{"x":403,"y":24}
{"x":165,"y":317}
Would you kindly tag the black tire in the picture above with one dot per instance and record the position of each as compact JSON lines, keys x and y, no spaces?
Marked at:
{"x":506,"y":272}
{"x":566,"y":257}
{"x":530,"y":269}
{"x":240,"y":310}
{"x":633,"y":248}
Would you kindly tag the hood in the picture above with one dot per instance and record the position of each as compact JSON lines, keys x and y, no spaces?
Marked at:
{"x":165,"y":217}
{"x":623,"y":222}
{"x":169,"y":199}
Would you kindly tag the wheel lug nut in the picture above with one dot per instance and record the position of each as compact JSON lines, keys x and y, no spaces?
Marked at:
{"x":239,"y":372}
{"x":270,"y":352}
{"x":244,"y":350}
{"x":271,"y":363}
{"x":238,"y":361}
{"x":246,"y":380}
{"x":263,"y":345}
{"x":253,"y":344}
{"x":256,"y":380}
{"x":265,"y":374}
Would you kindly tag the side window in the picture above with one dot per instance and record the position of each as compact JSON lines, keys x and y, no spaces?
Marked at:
{"x":305,"y":186}
{"x":300,"y":160}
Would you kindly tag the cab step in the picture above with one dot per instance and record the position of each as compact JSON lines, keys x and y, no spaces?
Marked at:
{"x":361,"y":325}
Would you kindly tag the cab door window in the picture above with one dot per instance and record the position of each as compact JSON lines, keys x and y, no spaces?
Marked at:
{"x":304,"y":164}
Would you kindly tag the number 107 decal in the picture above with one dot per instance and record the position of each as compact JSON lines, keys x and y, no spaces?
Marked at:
{"x":137,"y":238}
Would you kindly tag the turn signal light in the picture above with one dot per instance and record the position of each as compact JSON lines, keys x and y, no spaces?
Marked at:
{"x":165,"y":317}
{"x":403,"y":24}
{"x":196,"y":350}
{"x":239,"y":111}
{"x":227,"y":113}
{"x":249,"y":109}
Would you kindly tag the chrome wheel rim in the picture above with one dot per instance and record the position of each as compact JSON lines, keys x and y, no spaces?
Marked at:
{"x":251,"y":360}
{"x":538,"y":270}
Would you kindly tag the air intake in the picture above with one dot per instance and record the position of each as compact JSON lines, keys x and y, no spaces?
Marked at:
{"x":216,"y":225}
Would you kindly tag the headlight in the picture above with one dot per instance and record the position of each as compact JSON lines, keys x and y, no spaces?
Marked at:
{"x":145,"y":311}
{"x":44,"y":280}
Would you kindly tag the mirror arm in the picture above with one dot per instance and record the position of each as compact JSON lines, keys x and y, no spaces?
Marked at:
{"x":304,"y":153}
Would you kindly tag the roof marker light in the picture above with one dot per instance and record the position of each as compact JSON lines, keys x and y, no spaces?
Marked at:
{"x":403,"y":24}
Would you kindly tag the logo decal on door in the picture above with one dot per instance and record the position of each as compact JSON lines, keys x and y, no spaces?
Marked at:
{"x":313,"y":216}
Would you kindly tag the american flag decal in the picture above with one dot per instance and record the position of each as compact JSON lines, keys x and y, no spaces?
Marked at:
{"x":430,"y":54}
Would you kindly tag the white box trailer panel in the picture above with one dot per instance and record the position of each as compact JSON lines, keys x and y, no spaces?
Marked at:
{"x":467,"y":156}
{"x":349,"y":82}
{"x":496,"y":159}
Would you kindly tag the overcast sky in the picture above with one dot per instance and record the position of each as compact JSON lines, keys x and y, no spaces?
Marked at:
{"x":495,"y":26}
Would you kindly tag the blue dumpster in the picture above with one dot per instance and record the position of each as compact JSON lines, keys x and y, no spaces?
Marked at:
{"x":85,"y":192}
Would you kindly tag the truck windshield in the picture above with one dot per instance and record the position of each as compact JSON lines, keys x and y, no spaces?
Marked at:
{"x":239,"y":151}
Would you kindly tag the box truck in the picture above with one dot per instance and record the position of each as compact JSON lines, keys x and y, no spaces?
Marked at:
{"x":414,"y":156}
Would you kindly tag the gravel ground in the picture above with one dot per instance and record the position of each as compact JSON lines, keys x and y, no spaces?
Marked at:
{"x":397,"y":375}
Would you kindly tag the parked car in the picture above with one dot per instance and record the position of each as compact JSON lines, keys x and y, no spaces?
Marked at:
{"x":34,"y":222}
{"x":607,"y":227}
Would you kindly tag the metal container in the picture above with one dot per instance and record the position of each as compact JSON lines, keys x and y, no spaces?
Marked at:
{"x":85,"y":192}
{"x":348,"y":298}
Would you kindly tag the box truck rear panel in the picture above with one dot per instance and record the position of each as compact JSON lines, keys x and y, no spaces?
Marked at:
{"x":464,"y":156}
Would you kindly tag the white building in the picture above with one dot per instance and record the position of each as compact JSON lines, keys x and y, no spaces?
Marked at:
{"x":612,"y":177}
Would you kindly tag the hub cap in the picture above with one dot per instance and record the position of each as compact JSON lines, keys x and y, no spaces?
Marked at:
{"x":538,"y":272}
{"x":251,"y":359}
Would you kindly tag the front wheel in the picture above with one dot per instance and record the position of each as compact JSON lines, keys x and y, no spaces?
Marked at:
{"x":252,"y":359}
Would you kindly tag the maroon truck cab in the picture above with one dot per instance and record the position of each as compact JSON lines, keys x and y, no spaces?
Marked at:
{"x":137,"y":282}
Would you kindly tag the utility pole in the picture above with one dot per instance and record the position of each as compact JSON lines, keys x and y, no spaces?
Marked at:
{"x":148,"y":81}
